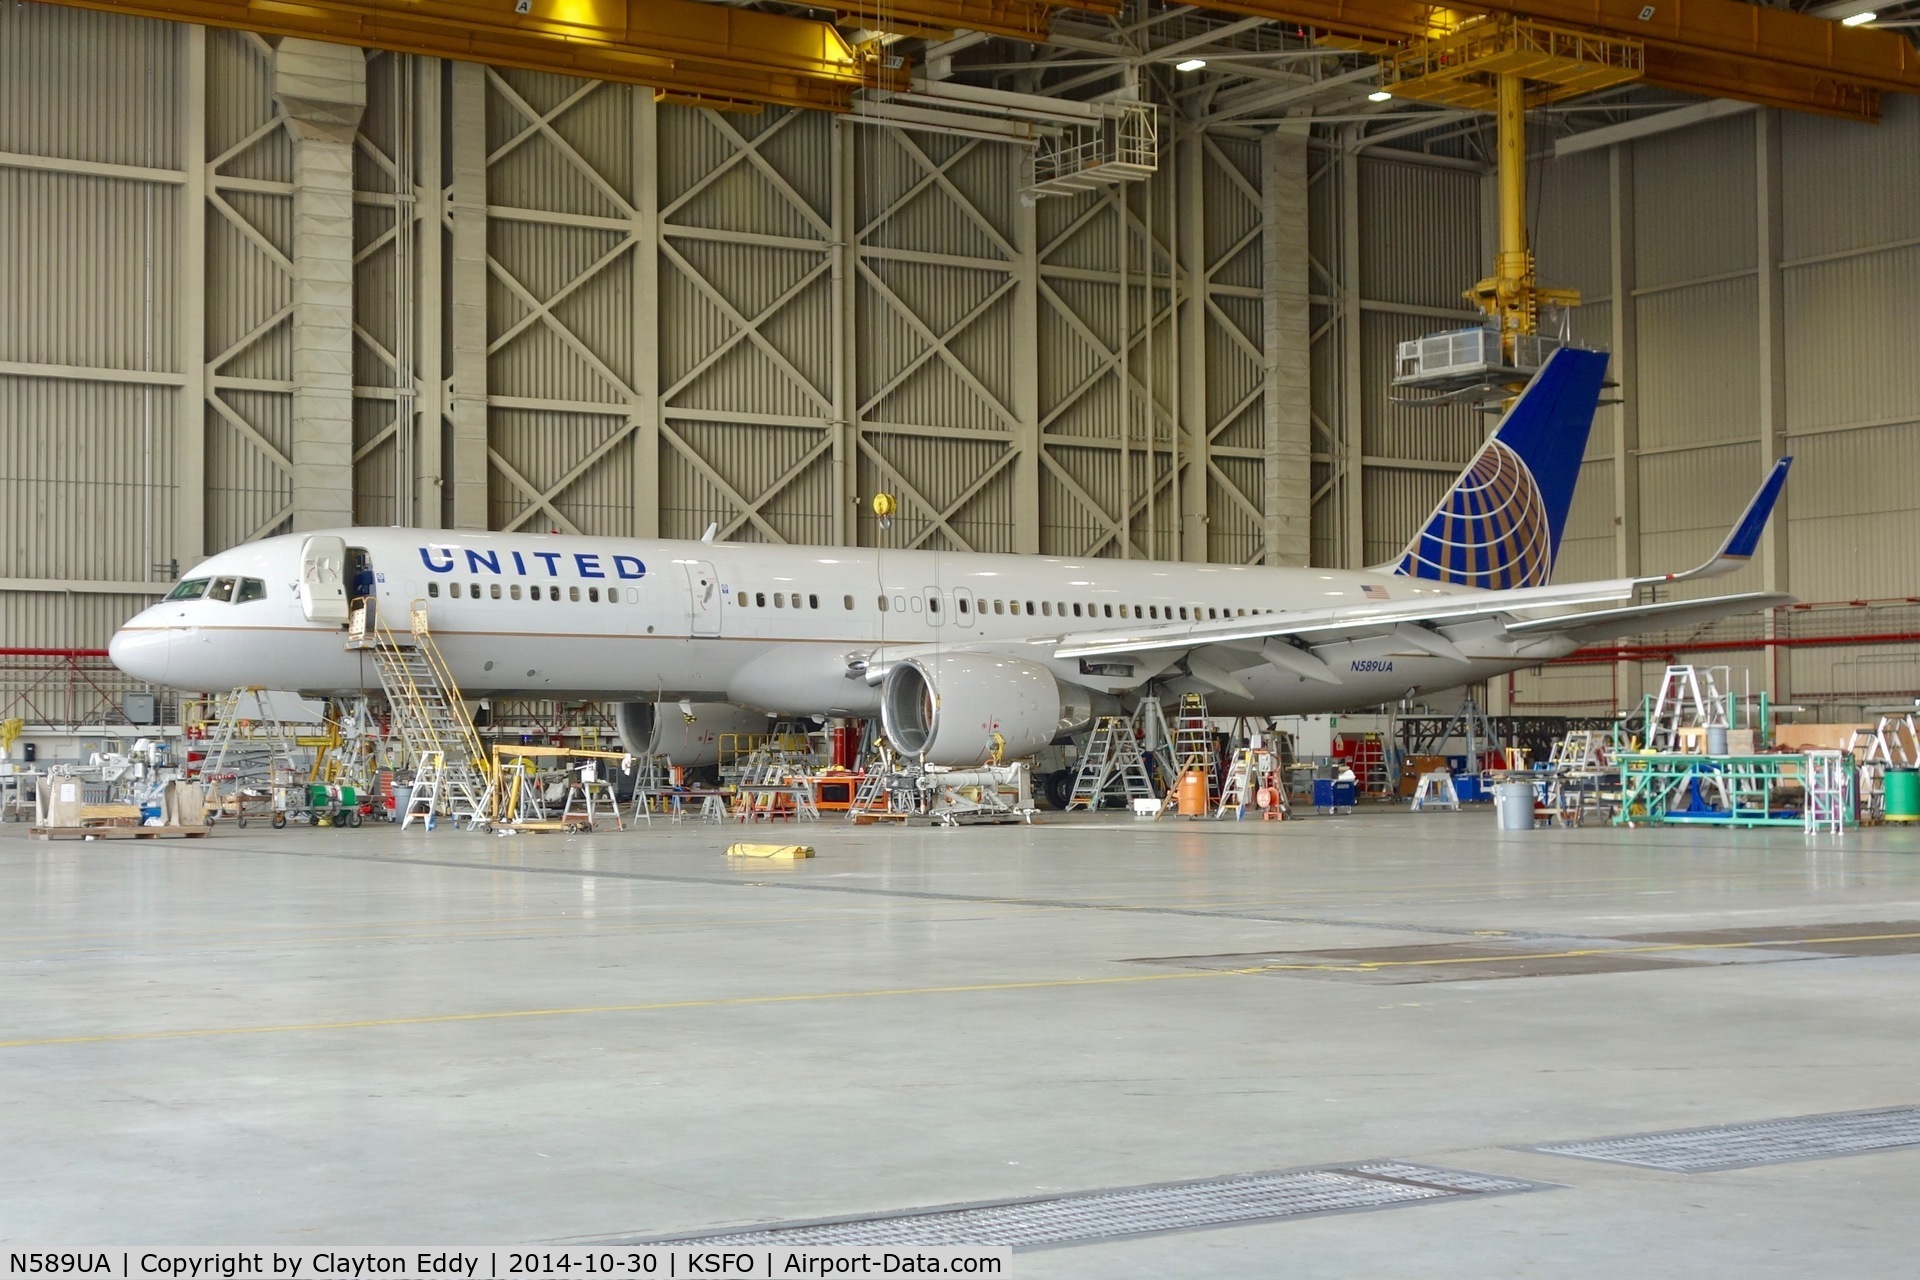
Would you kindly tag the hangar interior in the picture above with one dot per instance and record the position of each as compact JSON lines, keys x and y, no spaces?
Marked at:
{"x":1100,"y":280}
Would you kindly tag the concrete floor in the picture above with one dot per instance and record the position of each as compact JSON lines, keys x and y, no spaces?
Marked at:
{"x":356,"y":1038}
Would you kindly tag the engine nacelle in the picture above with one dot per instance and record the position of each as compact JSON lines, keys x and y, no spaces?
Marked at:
{"x":947,"y":708}
{"x":662,"y":729}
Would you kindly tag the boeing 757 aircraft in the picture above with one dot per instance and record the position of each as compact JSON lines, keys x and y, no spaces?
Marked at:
{"x":954,"y":651}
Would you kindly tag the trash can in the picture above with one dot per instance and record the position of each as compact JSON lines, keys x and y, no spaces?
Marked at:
{"x":402,"y":797}
{"x":1513,"y":806}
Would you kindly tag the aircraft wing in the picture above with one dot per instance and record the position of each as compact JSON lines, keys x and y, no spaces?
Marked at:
{"x":1444,"y":621}
{"x":1604,"y":624}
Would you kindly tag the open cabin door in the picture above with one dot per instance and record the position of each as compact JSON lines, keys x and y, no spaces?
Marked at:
{"x":704,"y":585}
{"x":323,"y":579}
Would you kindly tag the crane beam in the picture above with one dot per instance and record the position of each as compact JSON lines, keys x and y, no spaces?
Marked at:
{"x":700,"y":52}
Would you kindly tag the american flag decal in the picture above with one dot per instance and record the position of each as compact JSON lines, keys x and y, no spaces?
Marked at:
{"x":1372,"y":592}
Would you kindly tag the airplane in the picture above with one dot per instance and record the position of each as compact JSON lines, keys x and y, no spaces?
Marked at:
{"x":963,"y":656}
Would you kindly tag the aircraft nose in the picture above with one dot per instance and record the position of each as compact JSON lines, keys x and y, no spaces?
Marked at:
{"x":141,"y":653}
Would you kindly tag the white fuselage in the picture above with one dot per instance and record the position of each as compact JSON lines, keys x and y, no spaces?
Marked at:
{"x":776,"y":628}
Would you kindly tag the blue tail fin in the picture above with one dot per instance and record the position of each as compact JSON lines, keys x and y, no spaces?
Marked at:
{"x":1499,"y":526}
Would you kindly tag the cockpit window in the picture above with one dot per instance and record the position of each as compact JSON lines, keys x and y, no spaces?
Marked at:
{"x":222,"y":590}
{"x":250,"y":589}
{"x":191,"y":589}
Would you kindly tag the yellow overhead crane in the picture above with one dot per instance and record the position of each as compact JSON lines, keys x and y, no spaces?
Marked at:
{"x":1504,"y":65}
{"x":1716,"y":48}
{"x":713,"y":55}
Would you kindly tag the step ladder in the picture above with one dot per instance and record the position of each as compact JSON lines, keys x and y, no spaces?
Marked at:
{"x":1112,"y":767}
{"x":1827,"y":809}
{"x":245,"y":737}
{"x":1193,"y":748}
{"x":590,"y":797}
{"x":1689,"y":698}
{"x":1436,"y":791}
{"x":428,"y":712}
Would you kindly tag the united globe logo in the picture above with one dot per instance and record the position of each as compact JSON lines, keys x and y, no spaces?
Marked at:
{"x":1491,"y":530}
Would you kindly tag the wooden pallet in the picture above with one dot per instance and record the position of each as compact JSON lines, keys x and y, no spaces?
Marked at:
{"x":116,"y":833}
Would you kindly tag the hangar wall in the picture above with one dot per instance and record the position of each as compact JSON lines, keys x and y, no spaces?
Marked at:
{"x":666,"y":317}
{"x":1754,"y":277}
{"x":669,"y":316}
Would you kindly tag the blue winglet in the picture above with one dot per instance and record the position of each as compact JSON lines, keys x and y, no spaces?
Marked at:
{"x":1745,"y":538}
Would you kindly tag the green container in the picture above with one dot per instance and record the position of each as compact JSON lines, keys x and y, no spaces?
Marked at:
{"x":1903,"y":795}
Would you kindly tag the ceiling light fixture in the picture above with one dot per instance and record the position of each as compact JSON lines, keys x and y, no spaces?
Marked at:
{"x":1379,"y":95}
{"x":1191,"y":64}
{"x":1859,"y":19}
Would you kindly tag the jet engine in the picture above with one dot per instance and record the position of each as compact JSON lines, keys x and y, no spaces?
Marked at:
{"x":949,"y":708}
{"x":690,"y":737}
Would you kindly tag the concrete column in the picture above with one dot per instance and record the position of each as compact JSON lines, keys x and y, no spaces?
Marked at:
{"x":1287,"y":486}
{"x":1192,"y":444}
{"x":323,"y":89}
{"x":1625,"y":341}
{"x":466,"y":461}
{"x":1773,"y":373}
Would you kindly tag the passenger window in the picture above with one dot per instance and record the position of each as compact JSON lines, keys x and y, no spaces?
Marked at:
{"x":1153,"y":612}
{"x":963,"y":604}
{"x":933,"y":604}
{"x":1046,"y":607}
{"x":1123,"y":611}
{"x":250,"y":589}
{"x":553,"y":594}
{"x":1213,"y":613}
{"x":473,"y":589}
{"x":779,"y":600}
{"x":573,"y":594}
{"x":999,"y":606}
{"x":1076,"y":608}
{"x":514,"y":591}
{"x":813,"y":602}
{"x":222,"y":590}
{"x":759,"y":599}
{"x":433,"y":590}
{"x":493,"y":590}
{"x":593,"y":595}
{"x":453,"y":589}
{"x":883,"y":604}
{"x":1109,"y":611}
{"x":191,"y":589}
{"x":849,"y":602}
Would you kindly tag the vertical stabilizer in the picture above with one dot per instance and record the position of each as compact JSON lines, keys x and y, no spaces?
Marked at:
{"x":1499,"y":525}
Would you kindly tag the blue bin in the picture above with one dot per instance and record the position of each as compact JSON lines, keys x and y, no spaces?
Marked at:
{"x":1469,"y":788}
{"x":1328,"y":794}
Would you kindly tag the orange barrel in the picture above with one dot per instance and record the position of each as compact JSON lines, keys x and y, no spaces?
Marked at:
{"x":1193,"y":794}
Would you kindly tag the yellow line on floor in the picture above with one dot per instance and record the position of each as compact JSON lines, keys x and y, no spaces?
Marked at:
{"x":1368,"y":966}
{"x":661,"y":1006}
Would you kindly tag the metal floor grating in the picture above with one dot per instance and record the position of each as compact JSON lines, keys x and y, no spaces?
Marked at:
{"x":1094,"y":1216}
{"x":1739,"y":1146}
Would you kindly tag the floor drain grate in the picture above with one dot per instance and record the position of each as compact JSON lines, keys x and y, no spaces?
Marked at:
{"x":1087,"y":1217}
{"x":1739,"y":1146}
